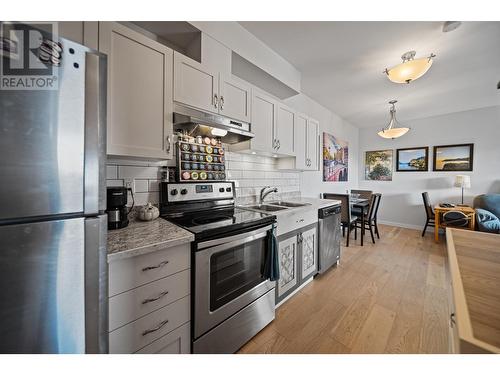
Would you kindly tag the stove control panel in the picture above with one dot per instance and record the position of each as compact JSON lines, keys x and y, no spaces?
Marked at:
{"x":182,"y":192}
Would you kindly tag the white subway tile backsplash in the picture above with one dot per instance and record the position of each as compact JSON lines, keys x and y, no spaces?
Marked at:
{"x":138,"y":172}
{"x":233,"y":175}
{"x":249,"y":172}
{"x":154,"y":185}
{"x":114,"y":182}
{"x":143,"y":198}
{"x":141,"y":186}
{"x":111,"y":172}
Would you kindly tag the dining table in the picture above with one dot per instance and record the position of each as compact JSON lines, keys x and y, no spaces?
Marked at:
{"x":362,"y":204}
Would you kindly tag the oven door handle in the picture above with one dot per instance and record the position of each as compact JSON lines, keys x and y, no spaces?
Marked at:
{"x":236,"y":239}
{"x":228,"y":245}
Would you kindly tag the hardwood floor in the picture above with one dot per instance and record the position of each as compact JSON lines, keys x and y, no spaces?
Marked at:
{"x":385,"y":298}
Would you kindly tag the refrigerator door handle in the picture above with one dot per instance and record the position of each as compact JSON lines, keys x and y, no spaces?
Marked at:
{"x":95,"y":133}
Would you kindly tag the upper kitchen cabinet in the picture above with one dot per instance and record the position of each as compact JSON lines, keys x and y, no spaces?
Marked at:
{"x":139,"y":112}
{"x":264,"y":114}
{"x":273,"y":126}
{"x":234,"y":97}
{"x":283,"y":131}
{"x":194,"y":84}
{"x":198,"y":86}
{"x":306,"y":146}
{"x":312,"y":141}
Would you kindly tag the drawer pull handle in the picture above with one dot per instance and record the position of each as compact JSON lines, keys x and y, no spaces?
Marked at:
{"x":161,"y":295}
{"x":159,"y":326}
{"x":452,"y":320}
{"x":164,"y":263}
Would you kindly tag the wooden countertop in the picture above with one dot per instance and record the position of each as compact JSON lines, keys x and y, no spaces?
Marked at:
{"x":474,"y":260}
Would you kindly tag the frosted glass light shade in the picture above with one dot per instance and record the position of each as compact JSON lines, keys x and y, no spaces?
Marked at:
{"x":462,"y":181}
{"x":410,"y":70}
{"x":393,"y":132}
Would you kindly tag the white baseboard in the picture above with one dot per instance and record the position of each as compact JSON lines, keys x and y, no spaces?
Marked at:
{"x":404,"y":225}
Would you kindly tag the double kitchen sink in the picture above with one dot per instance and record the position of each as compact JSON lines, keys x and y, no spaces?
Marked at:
{"x":275,"y":206}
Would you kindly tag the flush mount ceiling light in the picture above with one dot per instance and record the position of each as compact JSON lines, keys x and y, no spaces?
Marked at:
{"x":410,"y":69}
{"x":394,"y":128}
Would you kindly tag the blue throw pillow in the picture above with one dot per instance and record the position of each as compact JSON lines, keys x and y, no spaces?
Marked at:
{"x":487,"y":222}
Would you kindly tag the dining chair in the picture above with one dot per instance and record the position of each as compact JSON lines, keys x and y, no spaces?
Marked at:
{"x":376,"y":215}
{"x":429,"y":212}
{"x":346,"y":219}
{"x":371,"y":217}
{"x":363,"y":194}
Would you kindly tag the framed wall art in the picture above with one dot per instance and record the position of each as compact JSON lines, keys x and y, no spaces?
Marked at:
{"x":414,"y":159}
{"x":335,"y":158}
{"x":378,"y":165}
{"x":453,"y":158}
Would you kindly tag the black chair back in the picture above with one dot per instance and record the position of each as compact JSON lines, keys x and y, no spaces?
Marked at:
{"x":374,"y":203}
{"x":427,"y":205}
{"x":345,"y":213}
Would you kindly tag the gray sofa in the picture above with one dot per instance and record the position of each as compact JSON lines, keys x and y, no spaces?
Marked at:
{"x":488,"y":212}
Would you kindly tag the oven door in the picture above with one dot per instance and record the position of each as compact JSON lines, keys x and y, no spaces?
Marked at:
{"x":228,"y":277}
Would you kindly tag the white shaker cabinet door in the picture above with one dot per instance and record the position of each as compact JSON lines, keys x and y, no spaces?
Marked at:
{"x":312,"y":144}
{"x":235,"y":98}
{"x":139,"y":105}
{"x":300,"y":135}
{"x":263,"y":122}
{"x":285,"y":130}
{"x":195,"y":84}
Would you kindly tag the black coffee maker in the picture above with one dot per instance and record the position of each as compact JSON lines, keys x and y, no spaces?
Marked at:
{"x":117,"y":207}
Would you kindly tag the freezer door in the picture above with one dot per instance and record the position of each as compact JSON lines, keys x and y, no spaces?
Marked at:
{"x":43,"y":161}
{"x":42,"y":298}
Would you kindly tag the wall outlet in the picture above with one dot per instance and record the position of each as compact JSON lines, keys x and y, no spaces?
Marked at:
{"x":129,"y":184}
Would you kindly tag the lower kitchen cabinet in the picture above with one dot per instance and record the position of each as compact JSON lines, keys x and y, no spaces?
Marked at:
{"x":309,"y":253}
{"x":150,"y":302}
{"x":287,"y":250}
{"x":176,"y":342}
{"x":298,"y":259}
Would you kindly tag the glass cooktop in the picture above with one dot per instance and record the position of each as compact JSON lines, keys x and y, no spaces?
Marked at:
{"x":218,"y":221}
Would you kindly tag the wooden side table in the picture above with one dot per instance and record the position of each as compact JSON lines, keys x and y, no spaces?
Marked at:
{"x":467,"y":210}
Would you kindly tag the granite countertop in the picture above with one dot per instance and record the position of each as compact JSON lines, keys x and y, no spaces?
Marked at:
{"x":142,"y":237}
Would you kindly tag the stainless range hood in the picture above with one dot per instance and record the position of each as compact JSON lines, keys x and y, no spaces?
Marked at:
{"x":196,"y":122}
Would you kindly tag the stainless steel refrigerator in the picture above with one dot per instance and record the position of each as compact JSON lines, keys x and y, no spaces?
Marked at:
{"x":53,"y":268}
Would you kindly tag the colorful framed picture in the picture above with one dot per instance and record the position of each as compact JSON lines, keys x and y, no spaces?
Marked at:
{"x":453,"y":158}
{"x":335,"y":158}
{"x":378,"y":165}
{"x":414,"y":159}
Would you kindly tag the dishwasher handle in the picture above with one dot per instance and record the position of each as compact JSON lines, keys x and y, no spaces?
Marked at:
{"x":329,"y":211}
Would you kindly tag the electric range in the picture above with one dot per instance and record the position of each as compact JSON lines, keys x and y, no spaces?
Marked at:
{"x":231,"y":298}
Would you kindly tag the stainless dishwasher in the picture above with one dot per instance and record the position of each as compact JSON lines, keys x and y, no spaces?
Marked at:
{"x":329,"y":237}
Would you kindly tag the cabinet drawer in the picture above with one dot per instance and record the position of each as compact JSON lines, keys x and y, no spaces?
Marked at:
{"x":296,"y":220}
{"x":127,"y":274}
{"x":176,"y":342}
{"x":147,"y":329}
{"x":128,"y":306}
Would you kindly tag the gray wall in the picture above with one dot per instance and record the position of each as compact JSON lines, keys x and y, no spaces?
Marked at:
{"x":401,"y":202}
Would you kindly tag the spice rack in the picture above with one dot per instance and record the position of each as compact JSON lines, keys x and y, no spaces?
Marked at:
{"x":201,"y":161}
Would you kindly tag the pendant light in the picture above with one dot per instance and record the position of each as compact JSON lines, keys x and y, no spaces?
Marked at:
{"x":410,"y":69}
{"x":394,"y":128}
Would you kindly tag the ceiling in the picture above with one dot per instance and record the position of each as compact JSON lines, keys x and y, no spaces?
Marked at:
{"x":342,"y":66}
